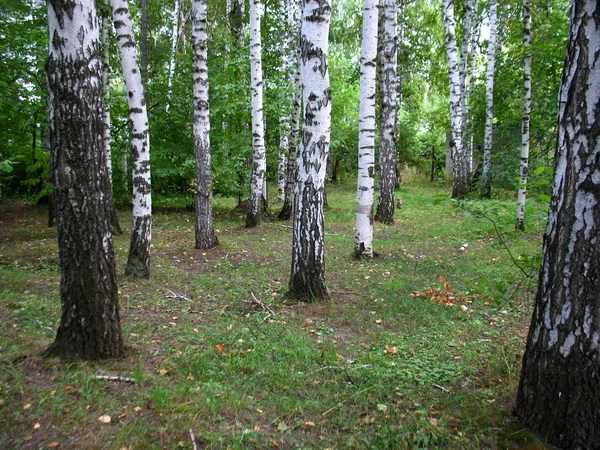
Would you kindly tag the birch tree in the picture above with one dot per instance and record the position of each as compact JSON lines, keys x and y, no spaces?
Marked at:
{"x":558,"y":395}
{"x":468,"y":30}
{"x":284,"y":121}
{"x":489,"y":104}
{"x":138,"y":262}
{"x":259,"y":156}
{"x":468,"y":122}
{"x":387,"y":126}
{"x":205,"y":231}
{"x":295,"y":78}
{"x":89,"y":325}
{"x":174,"y":39}
{"x":363,"y":241}
{"x":307,"y":280}
{"x":525,"y":139}
{"x":460,"y":185}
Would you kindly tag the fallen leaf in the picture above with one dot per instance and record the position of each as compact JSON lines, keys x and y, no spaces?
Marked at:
{"x":137,"y":408}
{"x":219,"y":348}
{"x":68,"y":387}
{"x":162,"y":372}
{"x":378,"y":321}
{"x":282,"y":426}
{"x":275,"y":443}
{"x":53,"y":444}
{"x":104,"y":419}
{"x":27,"y":406}
{"x":433,"y":421}
{"x":37,"y":426}
{"x":309,"y":424}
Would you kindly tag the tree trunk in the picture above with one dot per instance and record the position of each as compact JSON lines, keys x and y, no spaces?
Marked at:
{"x":387,"y":126}
{"x":486,"y":189}
{"x":90,"y":325}
{"x":174,"y":39}
{"x":460,"y":185}
{"x":363,"y":240}
{"x":205,"y":231}
{"x":468,"y":122}
{"x":114,"y":219}
{"x":284,"y":121}
{"x":468,"y":29}
{"x":558,"y":395}
{"x":307,"y":280}
{"x":144,"y":43}
{"x":138,"y":263}
{"x":524,"y":168}
{"x":259,"y":157}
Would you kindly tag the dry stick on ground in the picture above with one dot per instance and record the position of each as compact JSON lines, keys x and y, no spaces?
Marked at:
{"x":176,"y":296}
{"x":262,"y":305}
{"x":441,"y":388}
{"x":193,"y":438}
{"x":115,"y":378}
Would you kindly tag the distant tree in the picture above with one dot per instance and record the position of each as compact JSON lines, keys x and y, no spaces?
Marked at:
{"x":468,"y":37}
{"x":307,"y":281}
{"x":388,"y":87}
{"x":205,"y":231}
{"x":525,"y":129}
{"x":90,"y":325}
{"x":172,"y":60}
{"x":138,"y":262}
{"x":363,"y":241}
{"x":259,"y":154}
{"x":558,"y":395}
{"x":486,"y":188}
{"x":460,"y":185}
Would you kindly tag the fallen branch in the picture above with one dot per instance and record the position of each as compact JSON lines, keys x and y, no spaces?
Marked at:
{"x":115,"y":378}
{"x":176,"y":296}
{"x":441,"y":388}
{"x":345,"y":292}
{"x":262,"y":305}
{"x":193,"y":438}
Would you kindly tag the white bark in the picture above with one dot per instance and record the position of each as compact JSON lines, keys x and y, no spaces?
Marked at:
{"x":284,"y":120}
{"x":363,"y":242}
{"x":259,"y":158}
{"x":489,"y":103}
{"x":174,"y":39}
{"x":205,"y":233}
{"x":307,"y":281}
{"x":138,"y":264}
{"x":468,"y":136}
{"x":106,"y":91}
{"x":525,"y":139}
{"x":460,"y":185}
{"x":466,"y":35}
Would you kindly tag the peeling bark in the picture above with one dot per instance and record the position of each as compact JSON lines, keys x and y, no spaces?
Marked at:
{"x":558,"y":395}
{"x":90,"y":324}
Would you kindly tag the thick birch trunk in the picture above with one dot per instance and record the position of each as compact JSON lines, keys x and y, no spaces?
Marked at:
{"x":486,"y":189}
{"x":307,"y":280}
{"x":90,"y":325}
{"x":174,"y":39}
{"x":460,"y":185}
{"x":524,"y":167}
{"x":558,"y":394}
{"x":205,"y":231}
{"x":259,"y":157}
{"x":138,"y":263}
{"x":363,"y":240}
{"x":387,"y":126}
{"x":114,"y":219}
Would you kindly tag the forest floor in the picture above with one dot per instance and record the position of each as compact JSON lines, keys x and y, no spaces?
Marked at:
{"x":419,"y":348}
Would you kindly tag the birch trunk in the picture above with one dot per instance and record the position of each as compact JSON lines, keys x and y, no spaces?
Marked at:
{"x":205,"y":231}
{"x":307,"y":280}
{"x":486,"y":175}
{"x":468,"y":126}
{"x":284,"y":120}
{"x":558,"y":395}
{"x":296,"y":82}
{"x":524,"y":167}
{"x":144,"y":43}
{"x":90,"y":325}
{"x":387,"y":126}
{"x":174,"y":38}
{"x":114,"y":219}
{"x":466,"y":40}
{"x":259,"y":157}
{"x":363,"y":240}
{"x":138,"y":263}
{"x":460,"y":185}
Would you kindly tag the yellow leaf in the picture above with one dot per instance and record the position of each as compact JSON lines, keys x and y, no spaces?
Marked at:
{"x":104,"y":419}
{"x":256,"y":427}
{"x":137,"y":408}
{"x":309,"y":424}
{"x":53,"y":444}
{"x":219,"y":348}
{"x":36,"y":426}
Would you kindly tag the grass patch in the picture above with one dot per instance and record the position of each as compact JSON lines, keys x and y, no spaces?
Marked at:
{"x":379,"y":366}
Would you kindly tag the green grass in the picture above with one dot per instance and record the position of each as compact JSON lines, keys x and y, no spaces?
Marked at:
{"x":378,"y":366}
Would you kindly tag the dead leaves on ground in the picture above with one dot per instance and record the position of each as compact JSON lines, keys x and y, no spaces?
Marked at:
{"x":446,"y":295}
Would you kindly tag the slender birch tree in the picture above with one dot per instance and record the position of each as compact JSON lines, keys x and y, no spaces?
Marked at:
{"x":462,"y":73}
{"x":259,"y":155}
{"x":558,"y":395}
{"x":389,"y":100}
{"x":468,"y":122}
{"x":525,"y":139}
{"x":486,"y":190}
{"x":295,"y":79}
{"x":363,"y":241}
{"x":90,"y":325}
{"x":174,"y":39}
{"x":285,"y":119}
{"x":138,"y":263}
{"x":205,"y":231}
{"x":460,"y":185}
{"x":144,"y":40}
{"x":307,"y":280}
